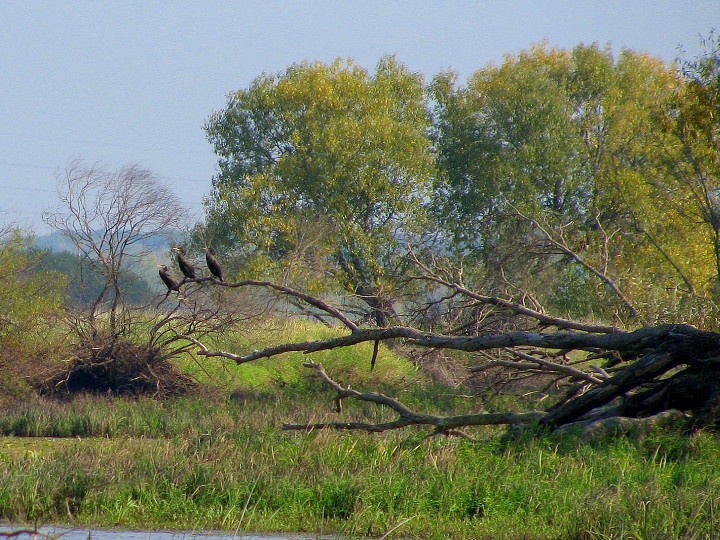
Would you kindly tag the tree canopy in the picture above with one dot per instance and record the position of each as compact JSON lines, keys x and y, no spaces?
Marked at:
{"x":585,"y":178}
{"x":324,"y":162}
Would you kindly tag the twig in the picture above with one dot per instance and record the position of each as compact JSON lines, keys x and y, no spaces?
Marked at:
{"x":518,"y":309}
{"x":555,"y":367}
{"x":601,"y":274}
{"x":315,"y":302}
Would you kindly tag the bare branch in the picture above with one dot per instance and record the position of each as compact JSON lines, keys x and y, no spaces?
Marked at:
{"x":514,"y":307}
{"x":443,"y":424}
{"x":623,"y":341}
{"x":555,"y":367}
{"x":558,"y":242}
{"x":311,"y":300}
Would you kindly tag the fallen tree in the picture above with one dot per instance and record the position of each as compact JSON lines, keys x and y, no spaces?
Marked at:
{"x":603,"y":378}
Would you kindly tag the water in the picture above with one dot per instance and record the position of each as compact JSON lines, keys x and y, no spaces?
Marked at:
{"x":63,"y":533}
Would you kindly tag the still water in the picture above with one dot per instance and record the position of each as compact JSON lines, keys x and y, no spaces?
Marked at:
{"x":60,"y":533}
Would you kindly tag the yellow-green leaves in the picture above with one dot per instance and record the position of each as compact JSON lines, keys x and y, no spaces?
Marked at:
{"x":324,"y":143}
{"x":613,"y":157}
{"x":27,"y":297}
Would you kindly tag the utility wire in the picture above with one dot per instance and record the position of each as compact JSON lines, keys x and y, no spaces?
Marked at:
{"x":47,"y":167}
{"x":29,"y":189}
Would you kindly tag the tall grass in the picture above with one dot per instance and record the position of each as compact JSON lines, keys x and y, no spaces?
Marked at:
{"x":196,"y":464}
{"x":219,"y":462}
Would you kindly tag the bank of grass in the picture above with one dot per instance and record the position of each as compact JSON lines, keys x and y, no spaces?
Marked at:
{"x":351,"y":363}
{"x":249,"y":477}
{"x":220,"y":460}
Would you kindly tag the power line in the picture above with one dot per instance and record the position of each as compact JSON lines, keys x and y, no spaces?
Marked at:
{"x":169,"y":149}
{"x":47,"y":167}
{"x":19,"y":212}
{"x":29,"y":189}
{"x":28,"y":165}
{"x":188,"y":203}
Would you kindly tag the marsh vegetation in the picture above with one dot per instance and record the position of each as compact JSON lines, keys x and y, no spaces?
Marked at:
{"x":435,"y":311}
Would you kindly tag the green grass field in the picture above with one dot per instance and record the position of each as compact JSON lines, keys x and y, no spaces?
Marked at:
{"x":211,"y":461}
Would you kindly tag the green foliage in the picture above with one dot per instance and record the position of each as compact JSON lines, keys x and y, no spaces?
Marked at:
{"x":512,"y":139}
{"x":29,"y":299}
{"x":324,"y":141}
{"x":322,"y":167}
{"x":24,"y":295}
{"x":573,"y":140}
{"x":689,"y":149}
{"x":337,"y":498}
{"x":327,"y":174}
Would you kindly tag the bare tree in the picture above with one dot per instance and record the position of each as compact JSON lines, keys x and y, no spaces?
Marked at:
{"x":7,"y":229}
{"x":108,"y":215}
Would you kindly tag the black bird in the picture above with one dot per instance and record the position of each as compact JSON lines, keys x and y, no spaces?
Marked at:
{"x":212,"y":263}
{"x":168,"y":280}
{"x":185,"y":267}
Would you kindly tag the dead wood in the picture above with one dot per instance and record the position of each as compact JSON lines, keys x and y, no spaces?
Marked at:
{"x":589,"y":430}
{"x":118,"y":368}
{"x":406,"y":417}
{"x":606,"y":376}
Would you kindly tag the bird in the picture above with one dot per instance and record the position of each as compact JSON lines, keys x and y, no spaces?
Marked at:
{"x":168,"y":280}
{"x":212,"y":263}
{"x":185,"y":267}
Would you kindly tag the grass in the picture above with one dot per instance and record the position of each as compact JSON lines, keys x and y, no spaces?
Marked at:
{"x":198,"y":464}
{"x":351,"y":363}
{"x":212,"y":461}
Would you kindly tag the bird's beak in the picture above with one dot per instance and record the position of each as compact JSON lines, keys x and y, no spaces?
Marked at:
{"x":174,"y":249}
{"x":159,"y":265}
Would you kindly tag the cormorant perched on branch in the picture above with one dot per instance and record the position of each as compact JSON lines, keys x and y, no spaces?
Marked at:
{"x":212,"y":263}
{"x":168,"y":280}
{"x":185,"y":267}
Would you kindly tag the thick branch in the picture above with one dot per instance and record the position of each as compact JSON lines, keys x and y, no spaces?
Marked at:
{"x":673,"y":346}
{"x":629,"y":342}
{"x":533,"y":362}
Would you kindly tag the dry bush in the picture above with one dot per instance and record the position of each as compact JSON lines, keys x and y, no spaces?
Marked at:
{"x":119,"y":368}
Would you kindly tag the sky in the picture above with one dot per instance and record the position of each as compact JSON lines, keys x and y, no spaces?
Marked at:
{"x":133,"y":82}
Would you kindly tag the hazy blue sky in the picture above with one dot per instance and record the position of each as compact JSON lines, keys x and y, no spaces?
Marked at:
{"x":134,"y":81}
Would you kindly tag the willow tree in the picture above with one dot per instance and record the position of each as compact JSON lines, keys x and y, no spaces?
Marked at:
{"x":326,"y":166}
{"x":552,"y":157}
{"x":688,"y":161}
